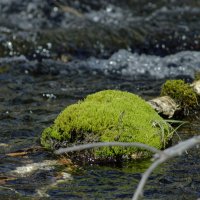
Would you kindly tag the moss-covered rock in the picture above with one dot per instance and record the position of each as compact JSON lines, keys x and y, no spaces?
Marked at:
{"x":181,"y":92}
{"x":106,"y":116}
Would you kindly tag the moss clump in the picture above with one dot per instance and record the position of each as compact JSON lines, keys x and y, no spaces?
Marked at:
{"x":106,"y":116}
{"x":197,"y":76}
{"x":181,"y":92}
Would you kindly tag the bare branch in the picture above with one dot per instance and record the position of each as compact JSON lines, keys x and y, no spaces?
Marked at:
{"x":160,"y":156}
{"x":106,"y":144}
{"x":167,"y":154}
{"x":145,"y":176}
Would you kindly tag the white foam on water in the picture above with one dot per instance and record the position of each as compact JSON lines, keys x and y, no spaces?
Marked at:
{"x":125,"y":63}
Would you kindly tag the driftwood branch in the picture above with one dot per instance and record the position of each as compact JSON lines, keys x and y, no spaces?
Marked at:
{"x":159,"y":157}
{"x":167,"y":106}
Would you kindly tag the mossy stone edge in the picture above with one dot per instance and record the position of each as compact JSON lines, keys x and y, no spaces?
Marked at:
{"x":106,"y":116}
{"x":181,"y":92}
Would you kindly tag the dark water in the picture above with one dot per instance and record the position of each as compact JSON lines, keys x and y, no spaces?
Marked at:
{"x":53,"y":53}
{"x":30,"y":102}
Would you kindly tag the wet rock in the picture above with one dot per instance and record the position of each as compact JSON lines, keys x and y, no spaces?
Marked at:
{"x":134,"y":66}
{"x":121,"y":65}
{"x":108,"y":116}
{"x":99,"y":29}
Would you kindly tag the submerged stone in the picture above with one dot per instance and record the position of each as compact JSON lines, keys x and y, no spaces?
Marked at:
{"x":107,"y":116}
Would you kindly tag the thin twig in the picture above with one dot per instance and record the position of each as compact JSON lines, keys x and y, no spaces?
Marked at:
{"x":160,"y":156}
{"x":167,"y":154}
{"x":106,"y":144}
{"x":145,"y":176}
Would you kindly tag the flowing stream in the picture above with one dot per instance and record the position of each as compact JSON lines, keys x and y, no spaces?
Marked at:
{"x":54,"y":53}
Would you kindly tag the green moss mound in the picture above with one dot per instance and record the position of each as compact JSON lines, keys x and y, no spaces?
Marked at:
{"x":107,"y":116}
{"x":181,"y":92}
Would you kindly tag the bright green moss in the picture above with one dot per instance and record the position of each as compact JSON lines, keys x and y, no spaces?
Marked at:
{"x":181,"y":92}
{"x":108,"y":116}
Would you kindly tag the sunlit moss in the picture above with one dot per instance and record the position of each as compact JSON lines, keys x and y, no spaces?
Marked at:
{"x":105,"y":116}
{"x":181,"y":92}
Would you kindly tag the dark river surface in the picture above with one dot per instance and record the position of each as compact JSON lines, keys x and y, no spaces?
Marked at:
{"x":54,"y":53}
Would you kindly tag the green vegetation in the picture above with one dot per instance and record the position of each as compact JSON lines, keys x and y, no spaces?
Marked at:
{"x":197,"y":76}
{"x":107,"y":116}
{"x":4,"y":69}
{"x":181,"y":92}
